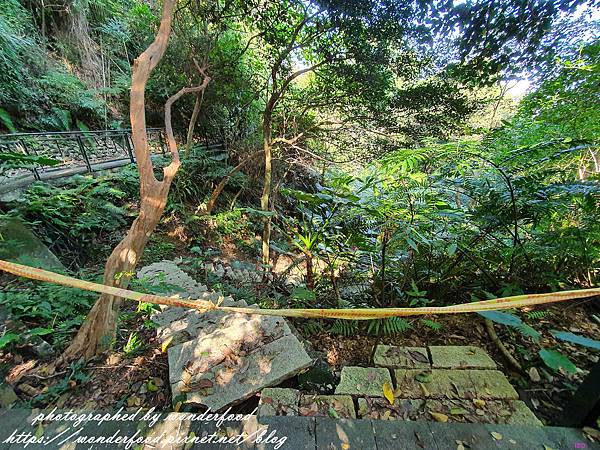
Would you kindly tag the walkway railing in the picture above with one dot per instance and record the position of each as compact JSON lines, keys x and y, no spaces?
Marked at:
{"x":77,"y":152}
{"x":90,"y":150}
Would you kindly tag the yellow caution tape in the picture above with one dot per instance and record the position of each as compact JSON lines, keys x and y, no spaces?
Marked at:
{"x":517,"y":301}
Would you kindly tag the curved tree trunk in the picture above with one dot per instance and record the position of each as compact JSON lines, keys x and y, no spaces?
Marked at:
{"x":99,"y":329}
{"x":264,"y":200}
{"x":310,"y":275}
{"x":192,"y":124}
{"x":217,"y":191}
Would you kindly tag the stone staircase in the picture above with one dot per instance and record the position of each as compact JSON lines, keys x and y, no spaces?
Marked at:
{"x":217,"y":358}
{"x":442,"y":383}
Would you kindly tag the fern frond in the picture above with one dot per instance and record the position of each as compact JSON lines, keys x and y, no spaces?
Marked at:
{"x":313,"y":327}
{"x":432,"y":324}
{"x":344,"y":327}
{"x":537,"y":314}
{"x":390,"y":325}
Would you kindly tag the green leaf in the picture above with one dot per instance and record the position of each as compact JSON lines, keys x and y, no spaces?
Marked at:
{"x":7,"y":339}
{"x":502,"y":318}
{"x":529,"y":331}
{"x":423,"y":377}
{"x":301,"y":293}
{"x":40,"y":331}
{"x":258,"y":212}
{"x":555,"y":360}
{"x":576,"y":339}
{"x":7,"y":121}
{"x":451,"y":249}
{"x":27,"y":159}
{"x":333,"y":413}
{"x":151,"y":386}
{"x":432,"y":324}
{"x":412,"y":243}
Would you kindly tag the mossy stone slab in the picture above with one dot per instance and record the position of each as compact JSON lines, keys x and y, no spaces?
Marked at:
{"x":278,"y":402}
{"x":363,"y":381}
{"x":407,"y":385}
{"x":401,"y":357}
{"x":522,"y":415}
{"x":460,"y":357}
{"x":491,"y":384}
{"x":380,"y":409}
{"x":441,"y":383}
{"x":334,"y":406}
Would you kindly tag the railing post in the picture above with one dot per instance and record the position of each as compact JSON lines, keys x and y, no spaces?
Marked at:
{"x":36,"y":174}
{"x":162,"y":142}
{"x":85,"y":156}
{"x":128,"y":146}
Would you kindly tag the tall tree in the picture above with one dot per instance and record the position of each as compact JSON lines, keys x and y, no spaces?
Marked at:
{"x":302,"y":37}
{"x":98,"y":331}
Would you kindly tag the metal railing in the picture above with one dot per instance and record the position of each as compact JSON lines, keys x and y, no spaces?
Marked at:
{"x":76,"y":149}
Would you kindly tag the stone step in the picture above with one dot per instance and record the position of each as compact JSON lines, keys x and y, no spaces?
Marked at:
{"x":453,"y":384}
{"x":333,"y":406}
{"x":363,"y":381}
{"x":193,"y":324}
{"x":437,"y":357}
{"x":219,"y":358}
{"x":267,"y":433}
{"x":278,"y":402}
{"x":461,"y":410}
{"x":401,"y":357}
{"x":238,"y":375}
{"x":460,"y":357}
{"x":168,"y":272}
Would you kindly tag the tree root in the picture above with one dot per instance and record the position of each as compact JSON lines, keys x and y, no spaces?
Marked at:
{"x":489,"y":326}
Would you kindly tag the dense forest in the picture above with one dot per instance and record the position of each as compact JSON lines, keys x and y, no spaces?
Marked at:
{"x":371,"y":154}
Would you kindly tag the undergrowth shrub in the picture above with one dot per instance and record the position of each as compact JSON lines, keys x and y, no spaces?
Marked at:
{"x":57,"y":309}
{"x":75,"y":219}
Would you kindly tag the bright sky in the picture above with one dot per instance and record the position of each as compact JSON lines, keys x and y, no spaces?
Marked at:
{"x":518,"y":89}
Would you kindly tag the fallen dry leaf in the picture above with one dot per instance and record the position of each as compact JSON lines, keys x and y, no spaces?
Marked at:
{"x":592,"y":432}
{"x":439,"y":417}
{"x":16,"y":373}
{"x":497,"y":436}
{"x":534,"y":375}
{"x":478,"y":402}
{"x":388,"y":393}
{"x":165,"y":344}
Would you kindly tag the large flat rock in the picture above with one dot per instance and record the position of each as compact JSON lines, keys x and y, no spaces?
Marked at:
{"x":218,"y":377}
{"x":182,"y":326}
{"x":20,"y":245}
{"x":176,"y":281}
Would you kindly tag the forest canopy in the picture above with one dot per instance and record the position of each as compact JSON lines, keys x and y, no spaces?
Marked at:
{"x":377,"y":153}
